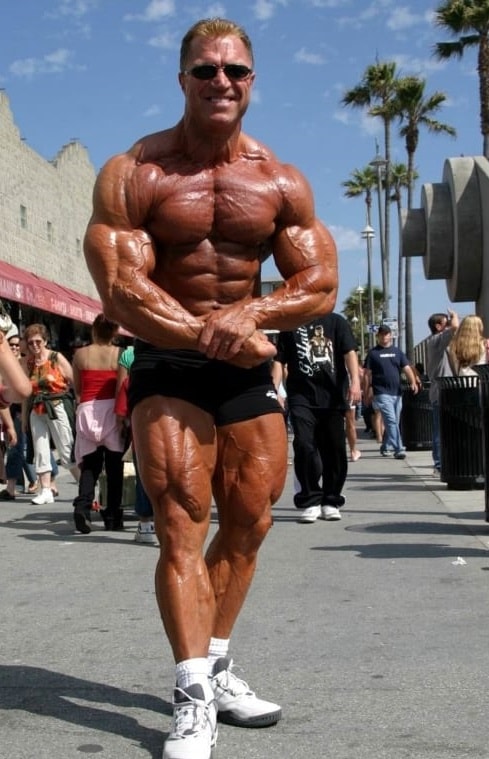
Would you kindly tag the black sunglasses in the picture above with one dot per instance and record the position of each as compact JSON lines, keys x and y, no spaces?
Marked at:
{"x":234,"y":71}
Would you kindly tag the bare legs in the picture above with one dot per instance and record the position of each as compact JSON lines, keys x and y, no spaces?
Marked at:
{"x":245,"y":464}
{"x":351,"y":434}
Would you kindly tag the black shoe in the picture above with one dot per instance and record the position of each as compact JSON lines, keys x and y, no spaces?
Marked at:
{"x":113,"y":521}
{"x":82,"y":522}
{"x":6,"y":496}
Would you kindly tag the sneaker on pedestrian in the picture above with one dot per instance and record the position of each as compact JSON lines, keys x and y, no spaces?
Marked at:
{"x":236,"y":703}
{"x":400,"y":455}
{"x":330,"y":513}
{"x":194,"y":727}
{"x":355,"y":455}
{"x":385,"y":452}
{"x":6,"y":496}
{"x":309,"y":515}
{"x":145,"y":533}
{"x":45,"y":496}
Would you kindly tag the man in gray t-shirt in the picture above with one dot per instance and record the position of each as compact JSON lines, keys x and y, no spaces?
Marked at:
{"x":442,"y":327}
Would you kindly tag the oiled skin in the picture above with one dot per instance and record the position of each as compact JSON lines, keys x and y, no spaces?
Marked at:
{"x":181,"y":225}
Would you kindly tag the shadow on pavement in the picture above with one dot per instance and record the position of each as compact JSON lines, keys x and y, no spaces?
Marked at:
{"x":406,"y":551}
{"x":45,"y":693}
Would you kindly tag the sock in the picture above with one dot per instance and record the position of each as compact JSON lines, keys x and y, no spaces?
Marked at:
{"x":192,"y":671}
{"x":218,"y":647}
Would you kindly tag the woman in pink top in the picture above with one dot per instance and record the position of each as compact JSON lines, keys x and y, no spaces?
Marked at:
{"x":98,"y":442}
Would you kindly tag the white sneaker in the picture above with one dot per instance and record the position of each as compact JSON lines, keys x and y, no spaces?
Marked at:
{"x":145,"y":533}
{"x":236,"y":703}
{"x":45,"y":496}
{"x":330,"y":513}
{"x":309,"y":515}
{"x":194,"y":728}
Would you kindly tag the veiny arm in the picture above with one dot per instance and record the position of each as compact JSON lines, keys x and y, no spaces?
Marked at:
{"x":120,"y":257}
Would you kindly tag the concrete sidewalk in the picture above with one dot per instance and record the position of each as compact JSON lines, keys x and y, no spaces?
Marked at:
{"x":370,"y":632}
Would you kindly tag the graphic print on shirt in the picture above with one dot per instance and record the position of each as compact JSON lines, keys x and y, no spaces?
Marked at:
{"x":315,"y":351}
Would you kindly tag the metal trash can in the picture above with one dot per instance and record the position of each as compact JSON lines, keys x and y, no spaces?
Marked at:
{"x":417,"y":419}
{"x":461,"y":438}
{"x":483,"y":372}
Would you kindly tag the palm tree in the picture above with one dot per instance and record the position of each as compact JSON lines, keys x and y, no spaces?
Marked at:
{"x":415,"y":109}
{"x":376,"y":92}
{"x":351,"y":307}
{"x":361,"y":183}
{"x":468,"y":20}
{"x":399,"y":181}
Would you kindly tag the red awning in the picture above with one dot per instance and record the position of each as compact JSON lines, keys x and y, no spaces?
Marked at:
{"x":26,"y":287}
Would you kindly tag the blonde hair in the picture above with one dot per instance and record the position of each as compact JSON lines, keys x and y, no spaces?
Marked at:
{"x":211,"y":28}
{"x":467,"y":345}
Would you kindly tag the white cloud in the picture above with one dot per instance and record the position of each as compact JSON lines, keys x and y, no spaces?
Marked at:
{"x":263,"y":9}
{"x":154,"y":11}
{"x":75,"y":8}
{"x":403,"y":18}
{"x":303,"y":56}
{"x":346,"y":239}
{"x":153,"y":110}
{"x":216,"y":10}
{"x":256,"y":97}
{"x":342,"y":116}
{"x":165,"y":41}
{"x":52,"y":63}
{"x":418,"y":66}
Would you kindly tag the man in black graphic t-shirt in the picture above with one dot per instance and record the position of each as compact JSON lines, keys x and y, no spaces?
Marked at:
{"x":322,"y":379}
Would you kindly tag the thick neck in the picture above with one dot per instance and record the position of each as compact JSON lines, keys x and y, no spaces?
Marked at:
{"x":208,"y":147}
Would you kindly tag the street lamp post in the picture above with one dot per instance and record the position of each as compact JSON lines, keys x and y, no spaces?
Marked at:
{"x":362,"y":329}
{"x":379,"y":165}
{"x":368,"y":233}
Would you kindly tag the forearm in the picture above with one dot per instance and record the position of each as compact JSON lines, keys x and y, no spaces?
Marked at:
{"x":367,"y":381}
{"x":148,"y":312}
{"x":277,"y":374}
{"x":130,"y":298}
{"x":304,"y":297}
{"x":351,"y":363}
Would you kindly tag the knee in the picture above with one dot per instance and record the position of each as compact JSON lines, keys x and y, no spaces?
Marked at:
{"x":181,"y":528}
{"x":245,"y":537}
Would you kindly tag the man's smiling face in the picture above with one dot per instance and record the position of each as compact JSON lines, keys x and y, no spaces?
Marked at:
{"x":221,"y":100}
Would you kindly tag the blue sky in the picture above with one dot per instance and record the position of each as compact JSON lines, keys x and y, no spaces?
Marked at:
{"x":105,"y":72}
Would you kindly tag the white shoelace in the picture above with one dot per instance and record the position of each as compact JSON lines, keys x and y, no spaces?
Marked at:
{"x":233,"y":684}
{"x":190,"y":717}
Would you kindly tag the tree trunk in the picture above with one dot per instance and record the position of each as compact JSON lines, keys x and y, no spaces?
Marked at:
{"x":407,"y":290}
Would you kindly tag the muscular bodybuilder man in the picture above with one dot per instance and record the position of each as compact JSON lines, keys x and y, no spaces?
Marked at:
{"x":181,"y":225}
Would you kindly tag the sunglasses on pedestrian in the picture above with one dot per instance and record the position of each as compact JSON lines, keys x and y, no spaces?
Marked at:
{"x":236,"y":72}
{"x":14,"y":345}
{"x":34,"y":342}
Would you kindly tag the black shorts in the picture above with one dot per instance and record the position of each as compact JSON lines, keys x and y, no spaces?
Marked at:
{"x":228,"y":393}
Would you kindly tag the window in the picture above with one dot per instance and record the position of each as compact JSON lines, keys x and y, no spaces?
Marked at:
{"x":23,"y":217}
{"x":50,"y":231}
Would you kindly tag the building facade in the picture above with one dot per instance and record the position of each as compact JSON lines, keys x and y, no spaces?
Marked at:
{"x":45,"y":206}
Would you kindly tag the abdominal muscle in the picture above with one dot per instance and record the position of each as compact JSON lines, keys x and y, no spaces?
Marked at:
{"x":208,"y":277}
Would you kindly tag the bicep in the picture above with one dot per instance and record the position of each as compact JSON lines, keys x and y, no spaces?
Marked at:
{"x":115,"y":245}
